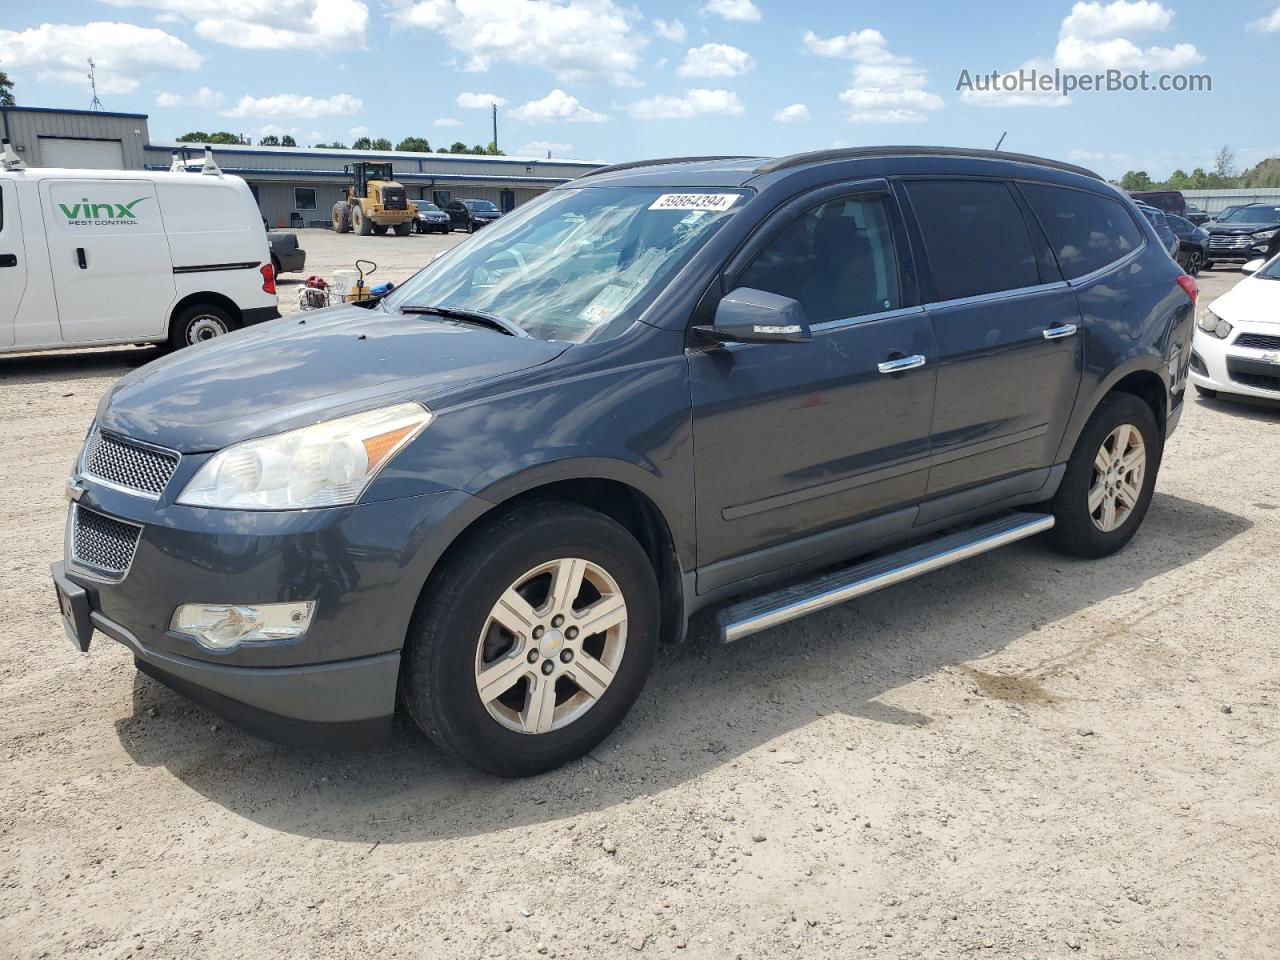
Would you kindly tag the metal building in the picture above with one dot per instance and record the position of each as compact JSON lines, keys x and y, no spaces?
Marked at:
{"x":294,"y":186}
{"x":1215,"y":201}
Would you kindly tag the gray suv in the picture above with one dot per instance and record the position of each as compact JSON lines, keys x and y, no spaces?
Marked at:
{"x":664,"y":387}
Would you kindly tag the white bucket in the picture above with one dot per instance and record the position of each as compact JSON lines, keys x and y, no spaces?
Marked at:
{"x":343,"y":283}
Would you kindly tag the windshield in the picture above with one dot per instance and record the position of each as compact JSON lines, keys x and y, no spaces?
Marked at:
{"x":1270,"y":270}
{"x":576,"y":264}
{"x":480,"y":204}
{"x":1257,"y":214}
{"x":428,"y":207}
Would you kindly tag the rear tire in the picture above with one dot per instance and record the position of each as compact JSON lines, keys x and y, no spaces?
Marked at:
{"x":380,"y":229}
{"x":341,"y":217}
{"x":275,"y":266}
{"x":456,"y":638}
{"x":197,"y":323}
{"x":1110,"y":478}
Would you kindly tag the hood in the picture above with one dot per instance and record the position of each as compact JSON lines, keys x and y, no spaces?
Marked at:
{"x":302,"y":369}
{"x":1252,"y":300}
{"x":1238,"y":228}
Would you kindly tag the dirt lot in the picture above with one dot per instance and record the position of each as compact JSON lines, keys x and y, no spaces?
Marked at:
{"x":1022,"y":756}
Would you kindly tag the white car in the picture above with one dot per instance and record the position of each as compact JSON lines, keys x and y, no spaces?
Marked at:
{"x":1236,"y":346}
{"x":97,"y":257}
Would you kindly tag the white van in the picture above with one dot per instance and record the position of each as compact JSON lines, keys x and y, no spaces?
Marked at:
{"x":94,"y":257}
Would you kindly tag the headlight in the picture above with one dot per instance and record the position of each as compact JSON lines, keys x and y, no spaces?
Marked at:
{"x":1213,"y":324}
{"x":1265,"y":234}
{"x":222,"y":626}
{"x":323,"y":465}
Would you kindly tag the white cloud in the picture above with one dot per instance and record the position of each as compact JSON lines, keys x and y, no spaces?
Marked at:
{"x":556,"y":105}
{"x":268,"y":24}
{"x":446,"y":122}
{"x":1092,"y":38}
{"x":295,"y":105}
{"x":1268,"y":24}
{"x":480,"y":101}
{"x":359,"y":132}
{"x":793,"y":114}
{"x":275,"y":130}
{"x":124,"y":54}
{"x":203,"y":98}
{"x":672,"y":30}
{"x":741,"y":10}
{"x":694,"y":103}
{"x":715,"y":60}
{"x":540,"y":148}
{"x":887,"y":87}
{"x":575,"y":40}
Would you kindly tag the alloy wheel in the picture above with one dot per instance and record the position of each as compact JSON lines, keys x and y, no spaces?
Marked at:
{"x":1118,"y":471}
{"x":551,"y":645}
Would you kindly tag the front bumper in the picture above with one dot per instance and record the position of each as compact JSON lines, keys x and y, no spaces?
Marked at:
{"x":1224,"y":366}
{"x":1239,"y":252}
{"x":363,"y":566}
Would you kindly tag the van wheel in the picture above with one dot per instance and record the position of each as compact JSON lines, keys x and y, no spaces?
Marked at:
{"x":534,"y":641}
{"x":1110,"y":478}
{"x":198,"y":323}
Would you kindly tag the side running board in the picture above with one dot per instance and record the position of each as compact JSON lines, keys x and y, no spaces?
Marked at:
{"x":770,"y":609}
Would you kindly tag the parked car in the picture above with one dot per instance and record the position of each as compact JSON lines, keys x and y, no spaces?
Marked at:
{"x":1193,"y":244}
{"x":97,"y":257}
{"x":430,"y":218}
{"x":1197,"y":215}
{"x":1249,"y":232}
{"x":1157,"y":219}
{"x":663,"y":387}
{"x":1167,"y":201}
{"x":286,"y":255}
{"x":1236,"y":349}
{"x":471,"y":215}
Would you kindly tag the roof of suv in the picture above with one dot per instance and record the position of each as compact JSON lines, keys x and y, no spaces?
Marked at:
{"x":738,"y":170}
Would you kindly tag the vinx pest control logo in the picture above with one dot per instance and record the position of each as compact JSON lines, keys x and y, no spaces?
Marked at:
{"x":100,"y":214}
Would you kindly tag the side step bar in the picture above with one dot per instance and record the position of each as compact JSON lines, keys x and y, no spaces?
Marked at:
{"x":770,"y":609}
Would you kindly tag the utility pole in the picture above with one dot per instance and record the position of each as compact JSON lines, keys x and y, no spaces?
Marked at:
{"x":494,"y":107}
{"x":96,"y":104}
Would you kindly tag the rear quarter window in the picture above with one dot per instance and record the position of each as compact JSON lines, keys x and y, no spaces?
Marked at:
{"x":1086,"y":230}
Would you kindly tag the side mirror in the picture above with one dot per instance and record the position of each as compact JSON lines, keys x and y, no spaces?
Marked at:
{"x":748,"y":315}
{"x":1253,"y":266}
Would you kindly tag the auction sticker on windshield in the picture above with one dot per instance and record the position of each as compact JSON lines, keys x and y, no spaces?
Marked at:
{"x":695,"y":201}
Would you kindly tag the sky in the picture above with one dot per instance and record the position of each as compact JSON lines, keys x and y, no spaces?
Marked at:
{"x":610,"y":81}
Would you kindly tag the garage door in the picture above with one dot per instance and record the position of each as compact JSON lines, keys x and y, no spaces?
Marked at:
{"x":81,"y":154}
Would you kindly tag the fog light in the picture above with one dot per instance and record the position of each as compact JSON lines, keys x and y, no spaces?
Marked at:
{"x":222,"y":626}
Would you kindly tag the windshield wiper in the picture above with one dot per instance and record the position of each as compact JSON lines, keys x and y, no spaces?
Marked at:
{"x":479,"y":317}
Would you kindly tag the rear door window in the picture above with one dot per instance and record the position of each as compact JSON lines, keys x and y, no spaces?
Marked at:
{"x":1087,"y":231}
{"x":837,"y":259}
{"x":975,"y":235}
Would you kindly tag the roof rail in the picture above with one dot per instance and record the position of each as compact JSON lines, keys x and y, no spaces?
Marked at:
{"x":854,"y":153}
{"x":632,"y":164}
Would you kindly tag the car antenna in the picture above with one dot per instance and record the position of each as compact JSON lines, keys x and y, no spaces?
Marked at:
{"x":1001,"y":140}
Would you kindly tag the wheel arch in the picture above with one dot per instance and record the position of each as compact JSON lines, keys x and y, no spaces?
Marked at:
{"x":205,"y":297}
{"x":1144,"y":376}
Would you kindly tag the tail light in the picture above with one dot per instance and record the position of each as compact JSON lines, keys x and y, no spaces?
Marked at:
{"x":269,"y":279}
{"x":1189,"y":287}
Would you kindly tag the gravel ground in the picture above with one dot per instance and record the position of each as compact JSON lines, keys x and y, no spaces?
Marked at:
{"x":1022,"y":756}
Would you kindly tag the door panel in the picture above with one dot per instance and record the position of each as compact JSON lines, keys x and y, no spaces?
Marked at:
{"x":1005,"y":393}
{"x":112,"y":273}
{"x":13,"y":261}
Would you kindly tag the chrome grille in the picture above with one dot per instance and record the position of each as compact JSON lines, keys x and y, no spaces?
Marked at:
{"x":128,"y":465}
{"x":1220,"y":242}
{"x":101,"y":542}
{"x":1259,"y":341}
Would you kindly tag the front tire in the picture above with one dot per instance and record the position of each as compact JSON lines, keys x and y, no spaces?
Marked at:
{"x":197,"y":323}
{"x":359,"y":222}
{"x":402,"y":229}
{"x":1110,"y":478}
{"x":534,"y":640}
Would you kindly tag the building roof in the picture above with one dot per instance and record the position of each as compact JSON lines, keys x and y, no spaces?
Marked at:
{"x":349,"y":155}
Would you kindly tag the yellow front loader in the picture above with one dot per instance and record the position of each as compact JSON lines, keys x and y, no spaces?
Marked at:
{"x":374,"y":203}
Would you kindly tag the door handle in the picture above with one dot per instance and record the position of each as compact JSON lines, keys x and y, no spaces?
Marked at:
{"x":1060,"y":331}
{"x":81,"y":259}
{"x":902,"y":363}
{"x":8,"y":259}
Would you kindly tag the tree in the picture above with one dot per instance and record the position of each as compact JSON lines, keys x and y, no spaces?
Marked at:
{"x":1224,"y":162}
{"x":288,"y":141}
{"x":382,"y":143}
{"x":6,"y":90}
{"x":362,"y":143}
{"x":270,"y":140}
{"x":414,"y":145}
{"x":1135,"y":180}
{"x":221,"y":136}
{"x":332,"y":146}
{"x":492,"y":150}
{"x":458,"y":147}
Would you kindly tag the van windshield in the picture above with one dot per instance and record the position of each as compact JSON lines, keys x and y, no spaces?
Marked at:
{"x":576,"y":264}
